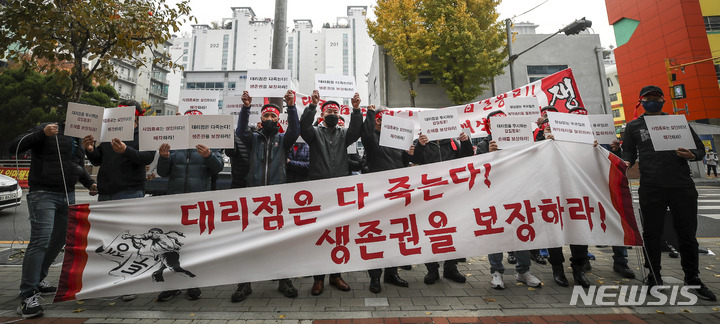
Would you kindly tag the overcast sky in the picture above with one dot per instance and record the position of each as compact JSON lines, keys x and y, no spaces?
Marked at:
{"x":552,"y":15}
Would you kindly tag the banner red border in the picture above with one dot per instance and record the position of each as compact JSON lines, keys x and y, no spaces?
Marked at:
{"x":75,"y":254}
{"x":622,"y":200}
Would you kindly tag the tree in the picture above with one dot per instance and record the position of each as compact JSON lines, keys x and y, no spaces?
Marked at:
{"x":401,"y":30}
{"x":28,"y":97}
{"x":95,"y":30}
{"x":460,"y":42}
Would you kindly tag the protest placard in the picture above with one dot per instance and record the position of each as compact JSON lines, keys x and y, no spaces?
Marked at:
{"x":333,"y":85}
{"x":397,"y":132}
{"x":83,"y":120}
{"x":268,"y":83}
{"x":439,"y":124}
{"x":213,"y":131}
{"x":603,"y":127}
{"x":669,"y":132}
{"x":233,"y":104}
{"x":522,"y":106}
{"x":118,"y":123}
{"x":198,"y":102}
{"x":571,"y":127}
{"x":512,"y":131}
{"x":156,"y":130}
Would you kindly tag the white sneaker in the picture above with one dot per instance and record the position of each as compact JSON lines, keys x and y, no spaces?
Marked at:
{"x":528,"y":279}
{"x":497,"y":281}
{"x":30,"y":307}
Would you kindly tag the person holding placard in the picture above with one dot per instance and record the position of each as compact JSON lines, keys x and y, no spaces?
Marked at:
{"x":543,"y":123}
{"x":267,"y":156}
{"x":381,"y":158}
{"x":187,"y":171}
{"x":122,"y":166}
{"x":56,"y":165}
{"x":497,"y":269}
{"x":665,"y":181}
{"x":437,"y":151}
{"x":328,"y":154}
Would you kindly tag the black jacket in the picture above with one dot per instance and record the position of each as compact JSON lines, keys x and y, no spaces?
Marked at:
{"x":120,"y":171}
{"x":239,"y":163}
{"x":46,"y":172}
{"x":328,"y":147}
{"x":380,"y":158}
{"x":441,"y":150}
{"x":658,"y":168}
{"x":484,"y":145}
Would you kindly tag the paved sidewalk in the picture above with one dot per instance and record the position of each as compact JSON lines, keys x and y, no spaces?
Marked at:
{"x":443,"y":302}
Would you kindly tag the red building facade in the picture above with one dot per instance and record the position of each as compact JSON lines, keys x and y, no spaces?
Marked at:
{"x":650,"y":31}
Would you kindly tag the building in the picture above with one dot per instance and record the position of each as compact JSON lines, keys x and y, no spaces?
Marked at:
{"x":147,"y":82}
{"x":342,"y":48}
{"x":616,"y":103}
{"x":217,"y":58}
{"x":387,"y":88}
{"x":683,"y":33}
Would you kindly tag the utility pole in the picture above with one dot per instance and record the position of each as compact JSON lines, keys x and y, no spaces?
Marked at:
{"x":279,"y":39}
{"x":508,"y":31}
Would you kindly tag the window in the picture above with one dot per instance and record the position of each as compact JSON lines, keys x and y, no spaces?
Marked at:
{"x":717,"y":72}
{"x":537,"y":72}
{"x":613,"y":97}
{"x":712,"y":23}
{"x":616,"y":113}
{"x":186,"y":44}
{"x":425,"y":77}
{"x":610,"y":83}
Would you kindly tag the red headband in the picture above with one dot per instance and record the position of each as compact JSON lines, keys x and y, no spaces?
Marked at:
{"x":270,"y":109}
{"x":579,"y":112}
{"x":331,"y":105}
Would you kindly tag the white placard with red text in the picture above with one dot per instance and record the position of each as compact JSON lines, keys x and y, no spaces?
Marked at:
{"x":512,"y":131}
{"x":198,"y":102}
{"x":153,"y":131}
{"x":669,"y":132}
{"x":334,"y":85}
{"x":268,"y":83}
{"x":603,"y":127}
{"x":82,"y":120}
{"x":213,"y":131}
{"x":397,"y":132}
{"x":439,"y":124}
{"x":522,"y":106}
{"x":571,"y":127}
{"x":434,"y":212}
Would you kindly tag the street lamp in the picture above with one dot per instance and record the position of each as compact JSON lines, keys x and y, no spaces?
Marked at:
{"x":573,"y":28}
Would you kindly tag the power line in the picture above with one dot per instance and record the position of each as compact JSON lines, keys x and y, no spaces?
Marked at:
{"x":533,"y":8}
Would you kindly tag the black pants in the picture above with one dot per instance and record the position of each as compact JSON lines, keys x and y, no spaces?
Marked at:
{"x":447,"y":265}
{"x":322,"y":277}
{"x":578,"y":255}
{"x":713,"y":168}
{"x":682,"y":202}
{"x":375,"y":273}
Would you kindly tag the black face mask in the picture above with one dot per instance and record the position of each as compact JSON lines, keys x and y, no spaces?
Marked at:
{"x":269,"y":127}
{"x":331,"y":120}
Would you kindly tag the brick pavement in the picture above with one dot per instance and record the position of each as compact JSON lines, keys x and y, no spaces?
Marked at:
{"x":443,"y":302}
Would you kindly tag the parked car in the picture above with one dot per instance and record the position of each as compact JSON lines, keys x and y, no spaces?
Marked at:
{"x":10,"y":192}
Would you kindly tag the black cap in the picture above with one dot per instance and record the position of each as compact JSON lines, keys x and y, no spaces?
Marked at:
{"x":651,"y":89}
{"x":495,"y":113}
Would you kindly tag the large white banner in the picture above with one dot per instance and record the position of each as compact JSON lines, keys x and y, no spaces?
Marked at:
{"x":458,"y":208}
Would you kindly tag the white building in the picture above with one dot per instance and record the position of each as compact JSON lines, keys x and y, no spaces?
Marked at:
{"x":218,"y":58}
{"x":343,"y":48}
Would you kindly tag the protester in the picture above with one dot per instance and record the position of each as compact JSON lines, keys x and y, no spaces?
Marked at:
{"x":711,"y":159}
{"x":427,"y":152}
{"x":267,"y":156}
{"x":328,"y":154}
{"x":122,"y":166}
{"x":56,"y":165}
{"x":522,"y":258}
{"x":187,"y":171}
{"x":381,"y":158}
{"x":298,"y":163}
{"x":665,"y":181}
